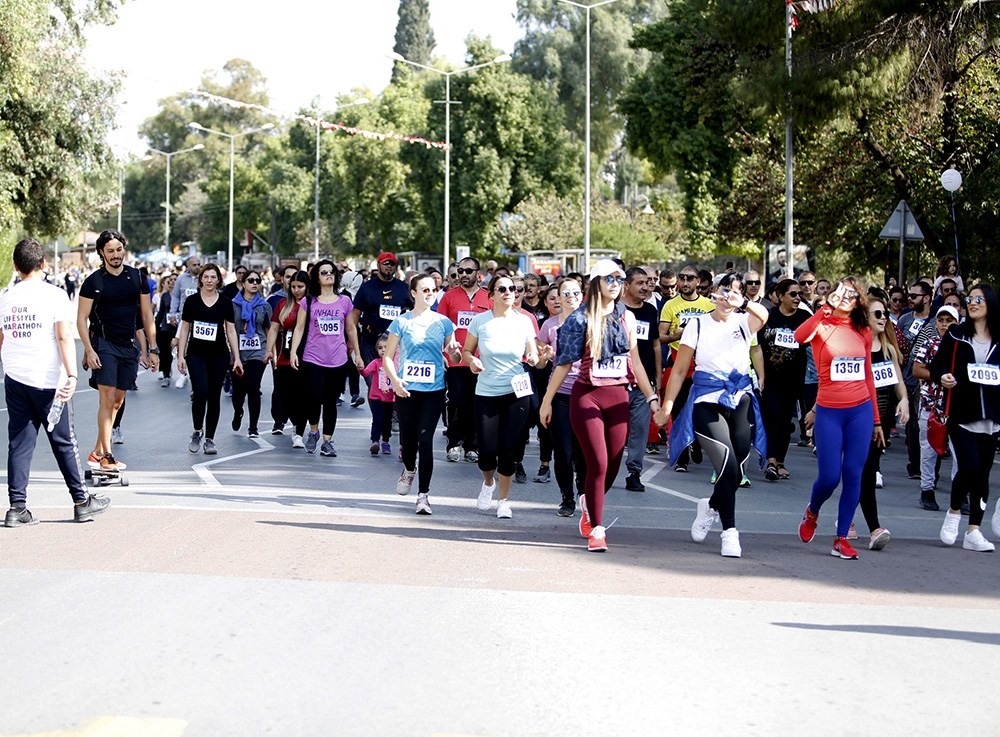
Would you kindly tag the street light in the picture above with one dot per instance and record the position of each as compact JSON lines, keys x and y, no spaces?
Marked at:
{"x":951,"y":180}
{"x":447,"y":134}
{"x":586,"y":195}
{"x":232,"y":156}
{"x":169,"y":155}
{"x":319,"y":129}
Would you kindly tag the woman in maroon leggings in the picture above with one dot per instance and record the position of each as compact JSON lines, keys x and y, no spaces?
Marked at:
{"x":598,"y":407}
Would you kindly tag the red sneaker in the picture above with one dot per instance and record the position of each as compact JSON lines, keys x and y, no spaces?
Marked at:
{"x":94,"y":459}
{"x":807,"y":527}
{"x":843,"y":549}
{"x":585,"y":526}
{"x":108,"y":463}
{"x":597,"y":542}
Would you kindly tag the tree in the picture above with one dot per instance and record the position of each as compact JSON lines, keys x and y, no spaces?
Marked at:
{"x":414,"y":36}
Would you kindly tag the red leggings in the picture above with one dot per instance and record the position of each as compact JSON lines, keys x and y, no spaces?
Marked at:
{"x":599,"y":415}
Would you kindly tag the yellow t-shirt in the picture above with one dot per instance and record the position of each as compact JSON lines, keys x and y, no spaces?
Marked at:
{"x":677,"y":311}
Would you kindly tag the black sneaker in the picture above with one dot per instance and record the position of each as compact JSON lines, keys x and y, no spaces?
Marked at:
{"x":237,"y":421}
{"x":681,"y":468}
{"x":652,"y":449}
{"x":253,"y":433}
{"x":278,"y":429}
{"x":543,"y":476}
{"x":929,"y":503}
{"x":633,"y":483}
{"x":567,"y":508}
{"x":94,"y":505}
{"x":357,"y":400}
{"x":696,"y":454}
{"x":18,"y":517}
{"x":519,"y":475}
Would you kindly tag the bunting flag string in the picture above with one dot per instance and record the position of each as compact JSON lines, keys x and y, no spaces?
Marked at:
{"x":316,"y":121}
{"x":810,"y":6}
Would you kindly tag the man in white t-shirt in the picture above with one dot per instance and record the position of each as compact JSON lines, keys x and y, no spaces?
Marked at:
{"x":39,"y":362}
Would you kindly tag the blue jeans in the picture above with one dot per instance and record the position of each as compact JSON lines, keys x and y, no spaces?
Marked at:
{"x":639,"y":413}
{"x":842,"y":440}
{"x":27,"y":409}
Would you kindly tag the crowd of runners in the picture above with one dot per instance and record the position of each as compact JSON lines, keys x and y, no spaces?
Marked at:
{"x":606,"y":367}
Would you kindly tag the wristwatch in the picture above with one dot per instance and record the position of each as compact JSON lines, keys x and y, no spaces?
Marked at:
{"x":154,"y":351}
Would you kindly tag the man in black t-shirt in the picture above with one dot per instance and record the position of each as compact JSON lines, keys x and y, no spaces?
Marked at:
{"x":106,"y":320}
{"x":379,"y":301}
{"x":638,"y":286}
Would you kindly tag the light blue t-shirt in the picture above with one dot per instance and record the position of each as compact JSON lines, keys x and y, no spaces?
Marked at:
{"x":502,"y":343}
{"x":421,"y":340}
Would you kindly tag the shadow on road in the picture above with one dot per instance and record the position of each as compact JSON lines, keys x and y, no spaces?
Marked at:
{"x":978,"y":638}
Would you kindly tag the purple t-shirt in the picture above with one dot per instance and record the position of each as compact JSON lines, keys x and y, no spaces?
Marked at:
{"x":326,"y":342}
{"x":549,"y":335}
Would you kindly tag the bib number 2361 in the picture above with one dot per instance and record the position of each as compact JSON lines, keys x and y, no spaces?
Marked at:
{"x":847,"y":369}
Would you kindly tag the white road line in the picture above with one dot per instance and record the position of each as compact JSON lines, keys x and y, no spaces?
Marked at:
{"x":209,"y":478}
{"x":672,"y":492}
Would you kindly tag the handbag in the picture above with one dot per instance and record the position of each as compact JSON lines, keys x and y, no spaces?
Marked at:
{"x":937,"y":423}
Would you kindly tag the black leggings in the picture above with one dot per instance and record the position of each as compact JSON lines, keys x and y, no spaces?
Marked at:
{"x":323,"y":387}
{"x":566,"y":447}
{"x":974,"y":454}
{"x":499,"y":422}
{"x":778,"y":402}
{"x":539,"y":383}
{"x":163,"y":338}
{"x":248,"y":386}
{"x":418,"y":418}
{"x":207,"y":375}
{"x":867,"y":501}
{"x":288,"y":387}
{"x":726,"y":439}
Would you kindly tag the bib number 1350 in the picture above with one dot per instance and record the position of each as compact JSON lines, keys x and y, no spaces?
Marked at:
{"x":847,"y":369}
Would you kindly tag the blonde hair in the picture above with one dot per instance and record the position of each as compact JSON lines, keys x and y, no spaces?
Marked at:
{"x":888,"y":338}
{"x":593,"y":310}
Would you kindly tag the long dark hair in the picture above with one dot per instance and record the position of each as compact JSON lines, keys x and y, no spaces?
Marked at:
{"x":859,"y":315}
{"x":967,"y":329}
{"x":289,"y":303}
{"x":314,"y":286}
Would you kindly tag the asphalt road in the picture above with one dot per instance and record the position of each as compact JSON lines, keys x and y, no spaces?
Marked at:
{"x":264,"y":590}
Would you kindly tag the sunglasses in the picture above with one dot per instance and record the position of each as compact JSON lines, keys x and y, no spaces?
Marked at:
{"x":612,"y":280}
{"x":428,"y":290}
{"x":687,"y":277}
{"x":806,"y":282}
{"x":572,"y":293}
{"x":326,"y":272}
{"x":793,"y":294}
{"x":977,"y":300}
{"x":503,"y":289}
{"x":878,"y":314}
{"x":465,"y":271}
{"x":383,"y":263}
{"x":752,"y":282}
{"x":911,"y":295}
{"x":253,"y":280}
{"x":850,"y":294}
{"x":896,"y":300}
{"x":452,"y":276}
{"x":948,"y":290}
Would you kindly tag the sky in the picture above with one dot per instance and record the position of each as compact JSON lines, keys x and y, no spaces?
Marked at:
{"x":304,"y":48}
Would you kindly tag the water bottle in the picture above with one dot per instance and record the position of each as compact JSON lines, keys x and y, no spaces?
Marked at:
{"x":55,"y":412}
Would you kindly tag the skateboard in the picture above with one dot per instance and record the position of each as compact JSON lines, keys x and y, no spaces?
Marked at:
{"x":101,"y":477}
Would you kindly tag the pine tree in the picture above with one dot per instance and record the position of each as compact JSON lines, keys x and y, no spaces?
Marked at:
{"x":414,"y":37}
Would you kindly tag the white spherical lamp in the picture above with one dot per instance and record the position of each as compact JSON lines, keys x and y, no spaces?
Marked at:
{"x":951,"y":180}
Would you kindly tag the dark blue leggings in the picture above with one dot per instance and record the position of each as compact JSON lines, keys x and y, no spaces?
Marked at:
{"x":842,"y":440}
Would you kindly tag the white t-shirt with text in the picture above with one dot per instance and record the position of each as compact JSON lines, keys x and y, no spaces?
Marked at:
{"x":29,"y":312}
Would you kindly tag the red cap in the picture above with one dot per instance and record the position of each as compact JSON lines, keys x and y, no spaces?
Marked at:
{"x":386,"y":256}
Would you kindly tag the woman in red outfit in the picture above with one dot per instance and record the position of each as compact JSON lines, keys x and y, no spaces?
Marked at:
{"x":845,"y":417}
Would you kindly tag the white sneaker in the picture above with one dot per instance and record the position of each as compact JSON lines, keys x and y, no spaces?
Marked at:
{"x":996,"y":519}
{"x":405,"y":482}
{"x":503,"y":509}
{"x":974,"y":540}
{"x":703,"y":522}
{"x":878,"y":480}
{"x":423,"y":505}
{"x":485,"y":500}
{"x":454,"y":454}
{"x":731,"y":543}
{"x":298,"y":442}
{"x":181,"y":378}
{"x":949,"y":530}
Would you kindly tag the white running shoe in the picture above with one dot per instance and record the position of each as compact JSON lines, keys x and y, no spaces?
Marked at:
{"x":423,"y":505}
{"x":974,"y":540}
{"x":503,"y":509}
{"x":298,"y":442}
{"x":949,"y":530}
{"x":703,"y":522}
{"x":879,"y":539}
{"x":879,"y":483}
{"x":996,"y":519}
{"x":485,"y":500}
{"x":181,"y":379}
{"x":405,"y":482}
{"x":731,"y":543}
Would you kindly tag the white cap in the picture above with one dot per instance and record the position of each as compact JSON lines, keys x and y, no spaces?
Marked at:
{"x":605,"y":267}
{"x":948,"y":310}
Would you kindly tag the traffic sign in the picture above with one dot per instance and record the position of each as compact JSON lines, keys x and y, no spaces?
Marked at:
{"x":894,"y":226}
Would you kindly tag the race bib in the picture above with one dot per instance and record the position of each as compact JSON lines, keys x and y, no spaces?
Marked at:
{"x":641,"y":330}
{"x":465,"y":320}
{"x":204,"y":330}
{"x":419,"y":372}
{"x":785,"y":338}
{"x":288,"y":340}
{"x":330,"y":325}
{"x":521,"y":385}
{"x":885,"y":374}
{"x":685,"y":318}
{"x":984,"y":373}
{"x":847,"y":369}
{"x":915,"y":327}
{"x":389,"y":312}
{"x":189,"y":292}
{"x":249,"y":344}
{"x":610,"y":368}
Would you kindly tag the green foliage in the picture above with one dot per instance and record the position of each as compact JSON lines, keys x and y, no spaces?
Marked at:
{"x":414,"y":35}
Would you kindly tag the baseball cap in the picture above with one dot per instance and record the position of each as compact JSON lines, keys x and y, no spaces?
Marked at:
{"x":605,"y":267}
{"x":948,"y":310}
{"x":386,"y":256}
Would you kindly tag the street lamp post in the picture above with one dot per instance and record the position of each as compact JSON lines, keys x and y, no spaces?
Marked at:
{"x":586,"y":164}
{"x":169,"y":155}
{"x":319,"y":130}
{"x":232,"y":158}
{"x":951,"y":180}
{"x":447,"y":134}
